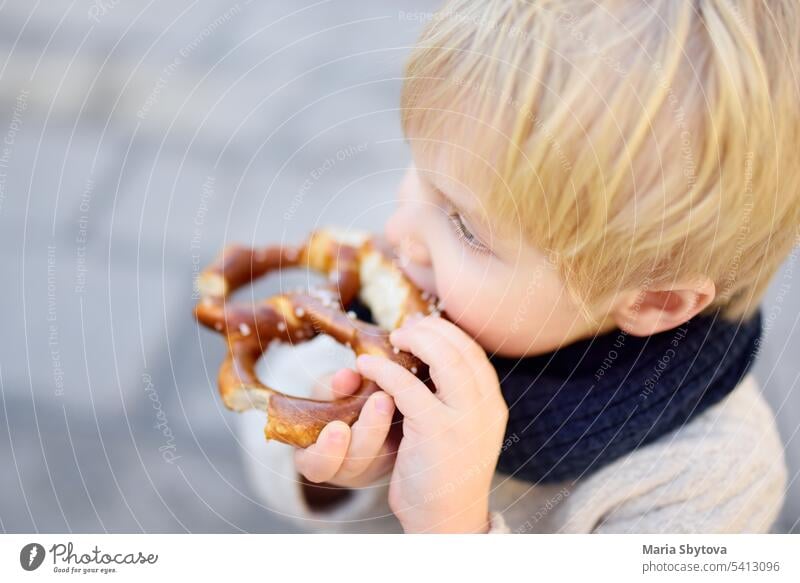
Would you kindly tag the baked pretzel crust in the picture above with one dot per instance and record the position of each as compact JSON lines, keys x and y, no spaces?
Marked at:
{"x":355,"y":265}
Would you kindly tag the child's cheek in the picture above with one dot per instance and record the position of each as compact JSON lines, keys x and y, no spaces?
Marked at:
{"x":471,"y":296}
{"x":503,"y":312}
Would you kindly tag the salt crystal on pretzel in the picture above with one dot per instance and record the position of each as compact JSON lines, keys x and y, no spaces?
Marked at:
{"x":356,"y":264}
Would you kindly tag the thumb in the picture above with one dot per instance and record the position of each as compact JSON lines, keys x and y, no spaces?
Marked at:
{"x":344,"y":383}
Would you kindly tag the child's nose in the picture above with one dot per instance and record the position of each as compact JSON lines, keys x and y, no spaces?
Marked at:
{"x":401,"y":234}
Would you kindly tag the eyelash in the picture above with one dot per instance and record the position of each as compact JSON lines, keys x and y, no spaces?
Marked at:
{"x":465,"y":234}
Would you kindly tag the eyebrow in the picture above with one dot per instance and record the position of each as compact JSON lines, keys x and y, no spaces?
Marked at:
{"x":449,"y":195}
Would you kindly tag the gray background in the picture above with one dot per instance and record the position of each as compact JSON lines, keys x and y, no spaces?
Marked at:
{"x":112,"y":139}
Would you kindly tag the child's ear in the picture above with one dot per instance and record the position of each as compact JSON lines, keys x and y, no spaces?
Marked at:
{"x":650,"y":310}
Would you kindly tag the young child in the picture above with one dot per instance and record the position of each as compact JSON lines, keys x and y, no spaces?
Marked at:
{"x":600,"y":194}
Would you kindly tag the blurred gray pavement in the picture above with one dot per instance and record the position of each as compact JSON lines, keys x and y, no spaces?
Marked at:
{"x":137,"y":139}
{"x":142,"y":138}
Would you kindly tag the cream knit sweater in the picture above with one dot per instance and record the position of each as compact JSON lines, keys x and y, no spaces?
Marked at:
{"x":723,"y":472}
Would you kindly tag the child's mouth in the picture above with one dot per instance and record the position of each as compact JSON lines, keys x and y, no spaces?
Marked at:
{"x":421,"y":277}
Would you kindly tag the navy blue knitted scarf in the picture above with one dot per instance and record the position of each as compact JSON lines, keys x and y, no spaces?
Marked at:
{"x":575,"y":410}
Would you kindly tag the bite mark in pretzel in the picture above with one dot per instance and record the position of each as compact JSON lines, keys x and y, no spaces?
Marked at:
{"x":355,"y":265}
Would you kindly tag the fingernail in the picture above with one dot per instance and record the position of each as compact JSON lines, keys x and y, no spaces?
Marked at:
{"x":364,"y":359}
{"x":336,"y":435}
{"x":384,"y":405}
{"x":412,"y":319}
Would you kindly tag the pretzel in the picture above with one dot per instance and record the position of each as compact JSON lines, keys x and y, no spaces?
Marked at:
{"x":356,"y":265}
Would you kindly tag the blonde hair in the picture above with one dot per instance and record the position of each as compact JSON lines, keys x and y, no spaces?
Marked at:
{"x":636,"y":142}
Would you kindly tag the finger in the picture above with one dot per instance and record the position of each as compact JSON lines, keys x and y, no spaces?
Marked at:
{"x":379,"y":469}
{"x":450,"y":369}
{"x":474,"y":354}
{"x":460,"y":340}
{"x":320,"y":461}
{"x":344,"y":383}
{"x":368,"y":435}
{"x":411,"y":396}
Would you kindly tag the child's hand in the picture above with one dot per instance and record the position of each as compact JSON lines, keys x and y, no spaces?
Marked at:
{"x":451,"y":439}
{"x":356,"y":456}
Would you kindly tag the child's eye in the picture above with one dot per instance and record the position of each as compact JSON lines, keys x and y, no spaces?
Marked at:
{"x":465,"y":234}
